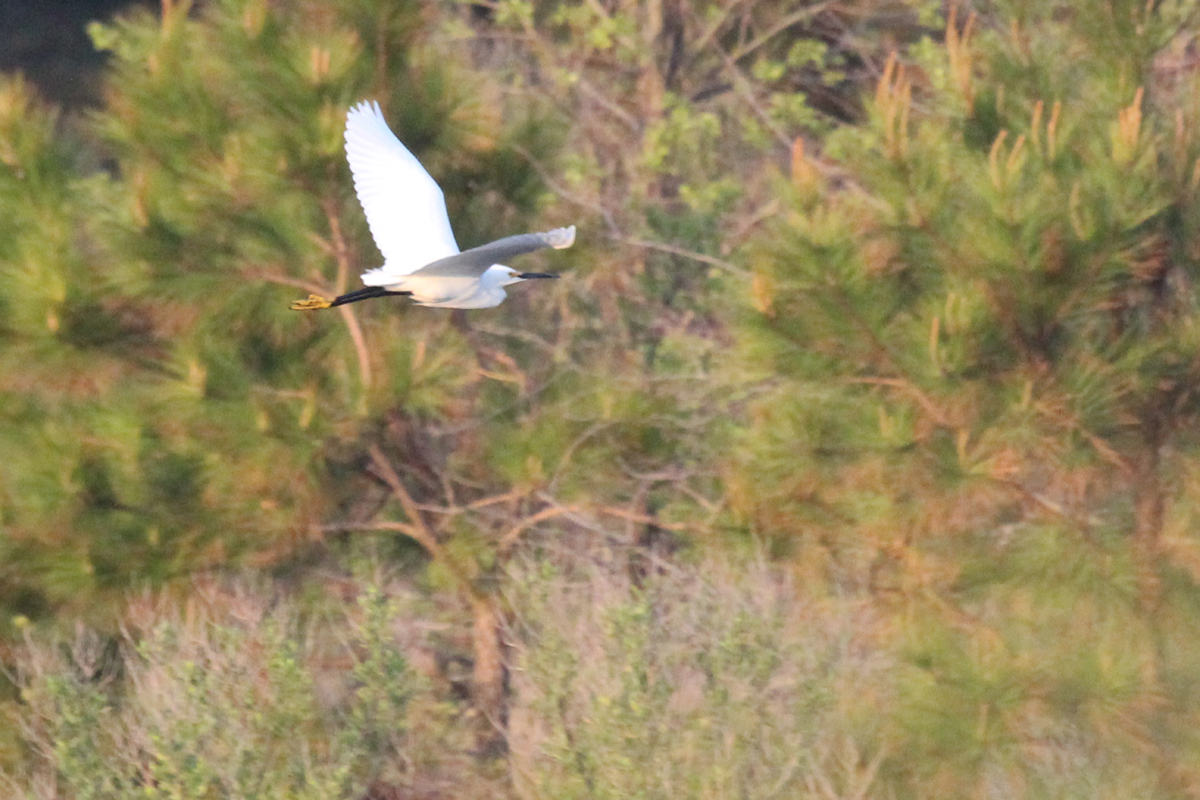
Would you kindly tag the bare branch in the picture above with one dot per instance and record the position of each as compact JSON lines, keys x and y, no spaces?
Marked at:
{"x":745,"y":88}
{"x":715,"y":26}
{"x":907,"y":386}
{"x":624,"y":116}
{"x":509,"y":539}
{"x":679,"y":251}
{"x":565,"y":194}
{"x":765,"y":211}
{"x":569,"y":452}
{"x":342,"y":257}
{"x":285,"y":280}
{"x":416,"y":529}
{"x":788,"y":21}
{"x":644,"y":519}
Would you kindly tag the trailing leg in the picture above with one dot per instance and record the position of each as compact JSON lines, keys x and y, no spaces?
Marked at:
{"x":315,"y":301}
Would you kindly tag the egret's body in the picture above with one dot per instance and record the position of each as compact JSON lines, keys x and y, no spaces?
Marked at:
{"x":485,"y":291}
{"x":406,"y":212}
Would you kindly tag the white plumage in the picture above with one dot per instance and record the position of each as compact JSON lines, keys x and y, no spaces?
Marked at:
{"x":405,"y":207}
{"x":406,"y":211}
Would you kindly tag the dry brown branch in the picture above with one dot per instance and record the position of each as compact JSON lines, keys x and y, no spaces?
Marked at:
{"x":745,"y":89}
{"x":608,"y":105}
{"x":515,"y":494}
{"x":447,"y":487}
{"x":514,"y":333}
{"x":573,"y":514}
{"x":679,"y":251}
{"x":569,"y":452}
{"x":360,"y":344}
{"x":342,"y":258}
{"x":567,"y":195}
{"x":644,"y":519}
{"x":788,"y":21}
{"x":321,"y":242}
{"x":509,"y":539}
{"x":285,"y":280}
{"x":391,"y":526}
{"x":913,"y":391}
{"x":745,"y":226}
{"x":487,"y":674}
{"x":340,"y":252}
{"x":415,"y":528}
{"x":387,"y":472}
{"x":1083,"y":523}
{"x":715,"y":26}
{"x":713,"y":507}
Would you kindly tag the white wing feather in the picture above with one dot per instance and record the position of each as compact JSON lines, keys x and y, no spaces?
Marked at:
{"x":405,"y":207}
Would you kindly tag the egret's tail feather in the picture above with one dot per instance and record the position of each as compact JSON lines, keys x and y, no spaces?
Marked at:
{"x":314,"y":302}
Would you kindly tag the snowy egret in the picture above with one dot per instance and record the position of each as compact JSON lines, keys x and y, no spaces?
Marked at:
{"x":406,"y":212}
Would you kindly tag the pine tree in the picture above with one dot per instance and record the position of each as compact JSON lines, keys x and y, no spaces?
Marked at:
{"x":240,"y":432}
{"x":980,"y":321}
{"x":69,"y":425}
{"x":166,"y":411}
{"x":670,"y":115}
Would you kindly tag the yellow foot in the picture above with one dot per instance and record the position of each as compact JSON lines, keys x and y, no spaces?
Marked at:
{"x":313,"y":302}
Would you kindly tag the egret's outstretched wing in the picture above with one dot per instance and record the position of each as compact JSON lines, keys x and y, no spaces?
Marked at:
{"x":474,"y":262}
{"x":404,"y":206}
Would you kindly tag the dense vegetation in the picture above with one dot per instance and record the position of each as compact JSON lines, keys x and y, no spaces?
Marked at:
{"x":854,"y":457}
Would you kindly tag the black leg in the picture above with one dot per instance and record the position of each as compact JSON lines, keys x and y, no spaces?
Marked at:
{"x":366,"y":293}
{"x":315,"y":301}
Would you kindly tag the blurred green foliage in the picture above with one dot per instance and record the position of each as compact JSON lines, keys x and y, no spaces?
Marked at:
{"x":221,"y":701}
{"x":903,"y":303}
{"x":695,"y":684}
{"x":177,"y":415}
{"x":984,"y":362}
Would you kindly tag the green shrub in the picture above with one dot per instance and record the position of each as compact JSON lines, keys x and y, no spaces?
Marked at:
{"x":699,"y":683}
{"x":233,"y":696}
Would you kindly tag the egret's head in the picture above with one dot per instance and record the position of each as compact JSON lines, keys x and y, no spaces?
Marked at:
{"x":511,"y":276}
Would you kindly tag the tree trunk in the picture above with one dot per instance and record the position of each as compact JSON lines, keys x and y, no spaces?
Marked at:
{"x":1149,"y":508}
{"x":487,"y":678}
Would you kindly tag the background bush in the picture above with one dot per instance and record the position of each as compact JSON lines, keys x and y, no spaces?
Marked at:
{"x":232,"y":696}
{"x":853,"y":457}
{"x":696,"y":682}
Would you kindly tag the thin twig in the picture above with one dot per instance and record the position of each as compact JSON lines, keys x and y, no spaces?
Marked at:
{"x":420,"y":531}
{"x":644,"y":519}
{"x":765,"y":211}
{"x":342,"y":257}
{"x":522,"y":335}
{"x":509,"y":539}
{"x":1085,"y":524}
{"x":908,"y":386}
{"x":746,"y":89}
{"x":416,"y":529}
{"x":567,"y":195}
{"x":378,"y":525}
{"x":786,"y":22}
{"x":609,"y":105}
{"x":340,"y":251}
{"x":574,"y":516}
{"x":679,"y":251}
{"x":569,"y":452}
{"x":452,"y":510}
{"x":285,"y":280}
{"x":718,"y":20}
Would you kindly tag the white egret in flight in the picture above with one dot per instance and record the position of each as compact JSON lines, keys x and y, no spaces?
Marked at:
{"x":406,"y":212}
